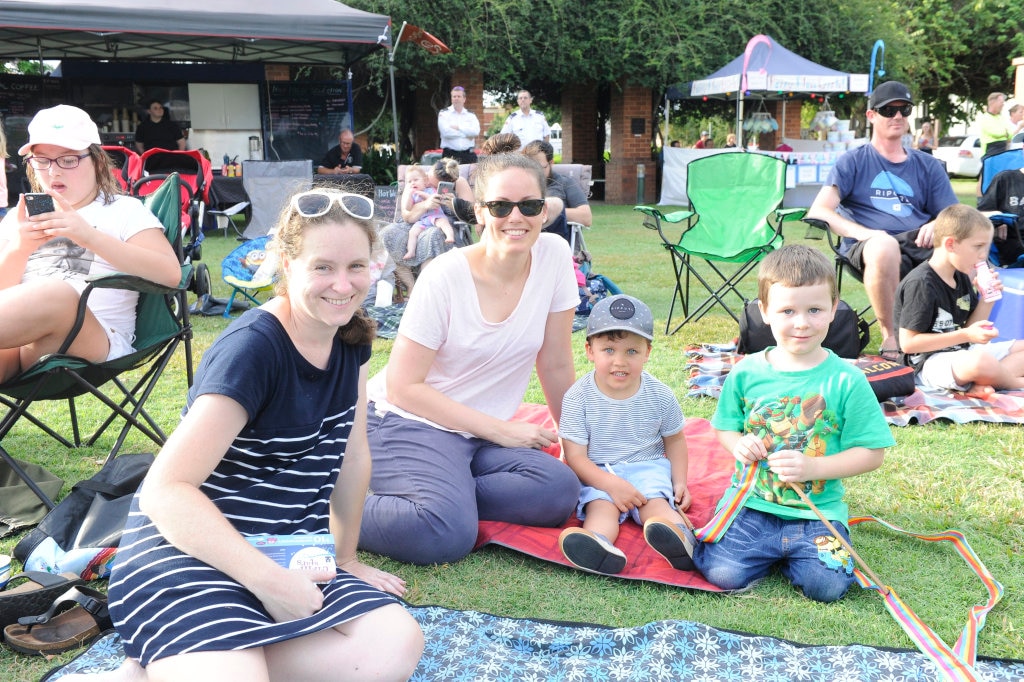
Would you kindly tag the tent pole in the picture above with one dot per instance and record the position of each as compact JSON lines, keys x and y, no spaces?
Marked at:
{"x":351,"y":113}
{"x":664,"y":141}
{"x":394,"y":105}
{"x":782,"y":128}
{"x":739,"y":116}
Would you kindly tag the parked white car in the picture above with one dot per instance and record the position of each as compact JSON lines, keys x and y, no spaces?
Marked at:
{"x":961,"y":154}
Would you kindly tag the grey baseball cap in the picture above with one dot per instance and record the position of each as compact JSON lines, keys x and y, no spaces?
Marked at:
{"x":621,"y":313}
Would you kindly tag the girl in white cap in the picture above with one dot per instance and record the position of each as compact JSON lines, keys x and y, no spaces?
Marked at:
{"x":92,"y":229}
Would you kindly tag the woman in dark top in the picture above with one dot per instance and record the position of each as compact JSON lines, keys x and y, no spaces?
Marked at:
{"x":278,"y":405}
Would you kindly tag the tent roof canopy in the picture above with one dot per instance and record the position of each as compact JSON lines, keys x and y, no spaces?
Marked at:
{"x":271,"y":31}
{"x":769,"y":70}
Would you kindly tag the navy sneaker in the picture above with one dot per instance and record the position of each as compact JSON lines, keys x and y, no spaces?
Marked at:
{"x":591,"y":551}
{"x":672,"y":541}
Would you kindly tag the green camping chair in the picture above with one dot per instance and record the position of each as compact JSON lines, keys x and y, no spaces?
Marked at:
{"x":736,"y":220}
{"x":162,"y":324}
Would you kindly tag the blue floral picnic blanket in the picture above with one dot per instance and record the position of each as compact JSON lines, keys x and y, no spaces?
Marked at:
{"x":469,"y":645}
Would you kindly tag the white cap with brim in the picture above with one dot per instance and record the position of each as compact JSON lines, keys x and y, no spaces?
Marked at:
{"x":62,"y":126}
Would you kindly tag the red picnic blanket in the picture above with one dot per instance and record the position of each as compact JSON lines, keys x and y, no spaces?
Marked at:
{"x":710,"y":467}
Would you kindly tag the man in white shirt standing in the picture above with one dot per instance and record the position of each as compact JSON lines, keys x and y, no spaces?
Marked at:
{"x":528,"y":125}
{"x":458,"y":127}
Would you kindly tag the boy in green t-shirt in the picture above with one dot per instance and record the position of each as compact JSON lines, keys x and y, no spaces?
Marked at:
{"x":800,"y":414}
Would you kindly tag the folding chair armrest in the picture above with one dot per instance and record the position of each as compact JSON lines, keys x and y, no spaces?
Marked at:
{"x":1003,"y":218}
{"x":654,"y":219}
{"x":834,"y":240}
{"x":785,"y":214}
{"x":230,"y":210}
{"x":674,"y":217}
{"x":118,"y":280}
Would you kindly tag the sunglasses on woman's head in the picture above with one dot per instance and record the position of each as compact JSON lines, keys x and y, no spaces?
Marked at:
{"x":890,"y":110}
{"x":317,"y":202}
{"x":502,"y":209}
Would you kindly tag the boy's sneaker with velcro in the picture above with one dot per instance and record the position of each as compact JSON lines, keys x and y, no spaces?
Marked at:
{"x":591,"y":551}
{"x":672,"y":541}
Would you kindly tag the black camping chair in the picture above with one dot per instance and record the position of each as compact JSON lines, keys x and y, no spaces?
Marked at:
{"x":816,"y":230}
{"x":162,"y":324}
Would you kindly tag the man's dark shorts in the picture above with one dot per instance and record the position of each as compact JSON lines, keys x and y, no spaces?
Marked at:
{"x":912,"y":255}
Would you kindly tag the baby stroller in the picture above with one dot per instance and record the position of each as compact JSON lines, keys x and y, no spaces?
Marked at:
{"x":127,"y":165}
{"x":155,"y":165}
{"x":196,"y":179}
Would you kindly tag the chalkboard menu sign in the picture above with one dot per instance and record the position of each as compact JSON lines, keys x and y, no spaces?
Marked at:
{"x":20,"y":98}
{"x":385,"y":203}
{"x":303,"y":119}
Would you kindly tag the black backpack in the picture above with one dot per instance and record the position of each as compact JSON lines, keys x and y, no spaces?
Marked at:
{"x":847,"y":336}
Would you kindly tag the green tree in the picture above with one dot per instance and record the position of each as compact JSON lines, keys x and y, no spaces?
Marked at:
{"x":939,"y":47}
{"x":963,"y":49}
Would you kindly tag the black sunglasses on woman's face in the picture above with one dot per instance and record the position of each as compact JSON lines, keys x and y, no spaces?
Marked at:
{"x":502,"y":209}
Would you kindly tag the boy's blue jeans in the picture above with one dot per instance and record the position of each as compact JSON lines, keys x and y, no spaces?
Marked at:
{"x":807,"y":554}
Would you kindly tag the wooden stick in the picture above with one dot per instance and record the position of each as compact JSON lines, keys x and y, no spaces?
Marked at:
{"x":835,"y":533}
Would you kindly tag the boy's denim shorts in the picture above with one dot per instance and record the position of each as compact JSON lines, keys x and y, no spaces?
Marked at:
{"x":653,"y":478}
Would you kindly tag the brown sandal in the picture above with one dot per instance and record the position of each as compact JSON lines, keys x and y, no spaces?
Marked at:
{"x":61,"y":629}
{"x":34,"y":595}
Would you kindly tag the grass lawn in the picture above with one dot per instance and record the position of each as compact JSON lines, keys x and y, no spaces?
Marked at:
{"x":937,"y":476}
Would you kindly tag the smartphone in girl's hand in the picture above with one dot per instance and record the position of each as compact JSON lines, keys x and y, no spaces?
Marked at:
{"x":37,"y":203}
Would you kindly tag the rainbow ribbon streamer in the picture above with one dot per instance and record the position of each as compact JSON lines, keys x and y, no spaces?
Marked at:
{"x":720,"y":522}
{"x":956,"y":663}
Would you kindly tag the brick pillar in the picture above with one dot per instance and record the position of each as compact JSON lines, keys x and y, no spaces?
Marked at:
{"x":787,"y":114}
{"x":579,"y":124}
{"x":425,"y":124}
{"x":630,"y":105}
{"x":432,"y":96}
{"x":473,"y":81}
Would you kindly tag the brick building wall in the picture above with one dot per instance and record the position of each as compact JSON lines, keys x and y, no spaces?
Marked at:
{"x":631,"y":106}
{"x":579,"y":120}
{"x":425,"y":126}
{"x":786,"y":113}
{"x":629,"y":148}
{"x":428,"y":102}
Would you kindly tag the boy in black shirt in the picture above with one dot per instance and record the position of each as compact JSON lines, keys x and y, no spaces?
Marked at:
{"x":944,"y":328}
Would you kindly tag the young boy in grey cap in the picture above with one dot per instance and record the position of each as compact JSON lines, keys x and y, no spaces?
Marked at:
{"x":622,"y":433}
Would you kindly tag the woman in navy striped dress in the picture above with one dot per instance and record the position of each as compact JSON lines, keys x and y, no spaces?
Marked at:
{"x":278,"y":404}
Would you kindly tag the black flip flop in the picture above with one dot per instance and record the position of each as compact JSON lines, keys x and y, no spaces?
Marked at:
{"x":60,"y":629}
{"x":34,"y":595}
